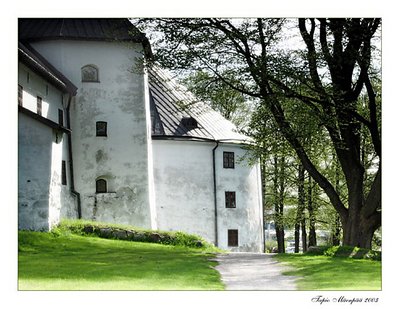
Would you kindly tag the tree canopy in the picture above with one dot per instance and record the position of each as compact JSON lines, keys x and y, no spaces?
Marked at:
{"x":328,"y":77}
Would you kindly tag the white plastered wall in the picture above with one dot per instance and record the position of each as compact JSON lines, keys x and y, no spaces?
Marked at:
{"x":183,"y":178}
{"x":119,"y":98}
{"x":184,"y":185}
{"x":42,"y":199}
{"x":245,"y":181}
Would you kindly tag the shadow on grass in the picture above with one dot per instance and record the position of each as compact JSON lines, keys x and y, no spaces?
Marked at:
{"x":333,"y":273}
{"x":43,"y":256}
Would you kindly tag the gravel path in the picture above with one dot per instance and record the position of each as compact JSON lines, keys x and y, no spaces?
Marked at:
{"x":253,"y":271}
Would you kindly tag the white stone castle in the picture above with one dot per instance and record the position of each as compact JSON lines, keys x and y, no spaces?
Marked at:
{"x":101,"y":139}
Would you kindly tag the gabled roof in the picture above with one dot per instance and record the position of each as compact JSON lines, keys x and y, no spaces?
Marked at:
{"x":31,"y":58}
{"x":171,"y":104}
{"x":34,"y":29}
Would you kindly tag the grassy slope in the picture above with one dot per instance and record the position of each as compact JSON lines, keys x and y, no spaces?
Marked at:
{"x":72,"y":262}
{"x":333,"y":273}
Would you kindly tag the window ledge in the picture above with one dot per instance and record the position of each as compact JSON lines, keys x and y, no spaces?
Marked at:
{"x":106,"y":193}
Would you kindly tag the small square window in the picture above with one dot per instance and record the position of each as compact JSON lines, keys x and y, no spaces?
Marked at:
{"x":39,"y":105}
{"x":63,"y":173}
{"x":233,"y":238}
{"x":230,"y":199}
{"x":229,"y":159}
{"x":101,"y":128}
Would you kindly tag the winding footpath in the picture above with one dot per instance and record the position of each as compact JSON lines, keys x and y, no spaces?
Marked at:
{"x":253,"y":271}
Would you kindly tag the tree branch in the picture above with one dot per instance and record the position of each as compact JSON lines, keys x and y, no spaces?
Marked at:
{"x":290,"y":136}
{"x":244,"y":51}
{"x":324,"y":43}
{"x":373,"y":128}
{"x":373,"y":200}
{"x":311,"y":55}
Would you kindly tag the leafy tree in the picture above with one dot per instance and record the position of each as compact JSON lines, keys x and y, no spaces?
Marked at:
{"x":274,"y":154}
{"x":336,"y":69}
{"x":232,"y":104}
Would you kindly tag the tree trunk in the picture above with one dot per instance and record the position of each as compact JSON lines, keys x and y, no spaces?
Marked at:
{"x":300,"y":220}
{"x":358,"y":231}
{"x":280,"y":238}
{"x":363,"y":216}
{"x":312,"y":234}
{"x":279,"y":191}
{"x":304,"y":235}
{"x":297,"y":237}
{"x":336,"y":229}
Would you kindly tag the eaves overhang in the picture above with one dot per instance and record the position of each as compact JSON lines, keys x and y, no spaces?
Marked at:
{"x":51,"y":124}
{"x":37,"y":63}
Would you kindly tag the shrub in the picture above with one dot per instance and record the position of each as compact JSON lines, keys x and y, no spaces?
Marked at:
{"x":271,"y":246}
{"x":345,"y":251}
{"x":129,"y":233}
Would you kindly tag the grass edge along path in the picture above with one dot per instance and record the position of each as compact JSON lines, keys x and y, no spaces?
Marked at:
{"x":65,"y":261}
{"x":320,"y":272}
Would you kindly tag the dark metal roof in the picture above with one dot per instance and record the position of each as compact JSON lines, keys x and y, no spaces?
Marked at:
{"x":31,"y":58}
{"x":171,"y":105}
{"x":34,"y":29}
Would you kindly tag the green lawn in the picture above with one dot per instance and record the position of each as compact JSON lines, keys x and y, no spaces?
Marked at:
{"x":71,"y":262}
{"x":333,"y":273}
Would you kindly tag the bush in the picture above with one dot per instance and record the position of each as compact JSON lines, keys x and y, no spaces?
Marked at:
{"x":129,"y":233}
{"x":271,"y":246}
{"x":345,"y":251}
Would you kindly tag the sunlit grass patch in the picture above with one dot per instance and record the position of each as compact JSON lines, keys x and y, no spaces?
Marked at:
{"x":72,"y":262}
{"x":333,"y":273}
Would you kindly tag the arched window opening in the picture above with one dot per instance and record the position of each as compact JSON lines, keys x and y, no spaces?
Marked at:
{"x":101,"y":186}
{"x":90,"y":73}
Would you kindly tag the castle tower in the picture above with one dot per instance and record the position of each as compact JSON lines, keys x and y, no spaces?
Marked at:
{"x":110,"y":118}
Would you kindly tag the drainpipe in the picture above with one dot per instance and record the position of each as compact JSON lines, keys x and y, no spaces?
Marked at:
{"x":71,"y":167}
{"x":215,"y":195}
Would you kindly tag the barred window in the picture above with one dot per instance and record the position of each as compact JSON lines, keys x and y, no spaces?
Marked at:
{"x":229,"y":159}
{"x":101,"y":128}
{"x":230,"y":199}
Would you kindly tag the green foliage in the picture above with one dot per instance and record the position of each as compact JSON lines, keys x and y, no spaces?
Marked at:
{"x":59,"y":261}
{"x":345,"y":252}
{"x":130,"y":233}
{"x":229,"y":102}
{"x":271,"y":246}
{"x":319,"y":95}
